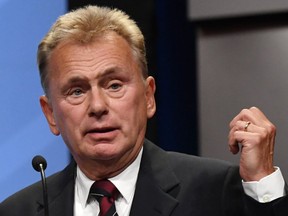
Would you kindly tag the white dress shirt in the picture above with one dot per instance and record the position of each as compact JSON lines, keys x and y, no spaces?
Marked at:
{"x":267,"y":189}
{"x":125,"y":182}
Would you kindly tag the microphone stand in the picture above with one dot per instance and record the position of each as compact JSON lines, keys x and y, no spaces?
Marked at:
{"x":44,"y":185}
{"x":39,"y":164}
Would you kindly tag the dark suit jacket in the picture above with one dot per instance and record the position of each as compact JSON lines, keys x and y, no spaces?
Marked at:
{"x":168,"y":184}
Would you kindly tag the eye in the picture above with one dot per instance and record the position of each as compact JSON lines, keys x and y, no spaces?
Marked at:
{"x":76,"y":92}
{"x":76,"y":96}
{"x":115,"y":86}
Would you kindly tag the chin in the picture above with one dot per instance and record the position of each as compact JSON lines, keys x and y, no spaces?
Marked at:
{"x":104,"y":154}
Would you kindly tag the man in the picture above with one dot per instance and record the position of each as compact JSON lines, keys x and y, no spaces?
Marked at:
{"x":98,"y":97}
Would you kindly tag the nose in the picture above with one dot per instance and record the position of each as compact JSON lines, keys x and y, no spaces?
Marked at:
{"x":97,"y":104}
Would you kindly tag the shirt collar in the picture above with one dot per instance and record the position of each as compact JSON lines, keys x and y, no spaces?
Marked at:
{"x":125,"y":182}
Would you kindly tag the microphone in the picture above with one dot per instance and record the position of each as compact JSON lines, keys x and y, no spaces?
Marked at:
{"x":39,"y":164}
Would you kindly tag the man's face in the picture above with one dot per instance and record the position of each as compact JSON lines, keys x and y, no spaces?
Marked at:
{"x":98,"y":100}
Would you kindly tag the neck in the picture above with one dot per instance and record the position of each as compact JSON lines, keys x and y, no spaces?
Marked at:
{"x":104,"y":169}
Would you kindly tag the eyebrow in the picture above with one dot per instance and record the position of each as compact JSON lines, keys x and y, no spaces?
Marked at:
{"x":106,"y":73}
{"x":110,"y":71}
{"x":75,"y":79}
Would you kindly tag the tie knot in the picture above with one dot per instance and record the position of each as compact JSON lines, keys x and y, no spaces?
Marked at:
{"x":106,"y":193}
{"x":104,"y":188}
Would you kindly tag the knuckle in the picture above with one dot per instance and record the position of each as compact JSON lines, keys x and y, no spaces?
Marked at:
{"x":271,"y":128}
{"x":254,"y":108}
{"x":245,"y":113}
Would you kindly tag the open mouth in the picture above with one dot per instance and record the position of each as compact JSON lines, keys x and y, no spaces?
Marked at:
{"x":101,"y":130}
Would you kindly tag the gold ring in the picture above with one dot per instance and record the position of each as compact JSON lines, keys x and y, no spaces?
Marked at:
{"x":247,"y":125}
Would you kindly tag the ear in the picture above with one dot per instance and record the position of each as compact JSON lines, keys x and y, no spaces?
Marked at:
{"x":48,"y":112}
{"x":150,"y":96}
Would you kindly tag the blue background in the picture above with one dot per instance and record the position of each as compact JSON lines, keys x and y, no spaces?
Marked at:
{"x":24,"y":132}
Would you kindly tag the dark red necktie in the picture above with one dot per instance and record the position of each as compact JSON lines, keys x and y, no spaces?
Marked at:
{"x":106,"y":193}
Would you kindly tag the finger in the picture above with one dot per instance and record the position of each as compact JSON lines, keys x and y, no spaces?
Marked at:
{"x":243,"y":140}
{"x":246,"y":126}
{"x":234,"y":147}
{"x":235,"y":139}
{"x":244,"y":115}
{"x":254,"y":136}
{"x":243,"y":126}
{"x":253,"y":115}
{"x":256,"y":117}
{"x":262,"y":120}
{"x":258,"y":113}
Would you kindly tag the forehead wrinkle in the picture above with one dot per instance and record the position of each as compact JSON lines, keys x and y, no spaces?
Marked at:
{"x":110,"y":71}
{"x":92,"y":68}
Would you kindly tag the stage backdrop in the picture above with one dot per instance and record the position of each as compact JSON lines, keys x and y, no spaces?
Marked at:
{"x":23,"y":129}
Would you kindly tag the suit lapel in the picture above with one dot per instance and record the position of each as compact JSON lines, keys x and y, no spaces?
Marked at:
{"x":61,"y":193}
{"x":156,"y":184}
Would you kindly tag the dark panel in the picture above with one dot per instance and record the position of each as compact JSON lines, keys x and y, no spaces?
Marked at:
{"x":177,"y":83}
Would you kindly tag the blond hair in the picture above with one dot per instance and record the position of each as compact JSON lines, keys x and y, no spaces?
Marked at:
{"x":85,"y":24}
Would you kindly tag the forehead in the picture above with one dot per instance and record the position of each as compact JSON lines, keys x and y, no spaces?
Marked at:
{"x":109,"y":51}
{"x":110,"y":42}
